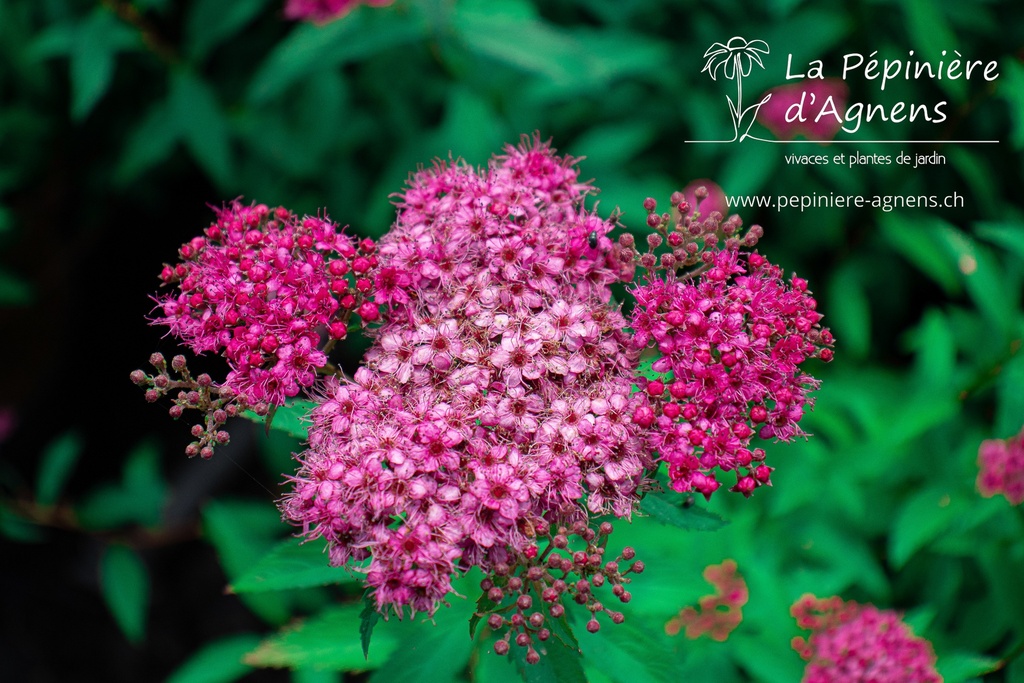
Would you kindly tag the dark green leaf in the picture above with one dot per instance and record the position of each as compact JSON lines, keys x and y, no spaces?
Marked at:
{"x":139,"y":499}
{"x":1009,"y":236}
{"x":291,"y":565}
{"x":125,"y":585}
{"x":17,"y":528}
{"x":327,"y":641}
{"x":151,"y":141}
{"x":289,"y":418}
{"x":667,"y":508}
{"x":203,"y":124}
{"x":958,"y":667}
{"x":217,"y":662}
{"x":484,"y":605}
{"x":921,"y":520}
{"x":311,"y":675}
{"x":96,"y":42}
{"x":430,"y":653}
{"x":849,"y":313}
{"x":1011,"y":88}
{"x":368,"y":618}
{"x":918,"y":240}
{"x":931,"y":35}
{"x":1010,"y":407}
{"x":58,"y":460}
{"x":211,"y":22}
{"x":14,"y":291}
{"x":623,"y":652}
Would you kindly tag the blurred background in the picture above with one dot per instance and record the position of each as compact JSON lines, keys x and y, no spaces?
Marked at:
{"x":122,"y":122}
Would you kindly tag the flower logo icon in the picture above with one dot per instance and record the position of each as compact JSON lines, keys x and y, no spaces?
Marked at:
{"x":735,"y":59}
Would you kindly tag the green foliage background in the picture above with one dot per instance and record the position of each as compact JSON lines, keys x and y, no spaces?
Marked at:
{"x":121,"y":120}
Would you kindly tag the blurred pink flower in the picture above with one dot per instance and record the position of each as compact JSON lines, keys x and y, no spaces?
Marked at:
{"x":852,"y":643}
{"x":813,"y":108}
{"x":1002,"y":468}
{"x":718,"y":614}
{"x":323,"y":11}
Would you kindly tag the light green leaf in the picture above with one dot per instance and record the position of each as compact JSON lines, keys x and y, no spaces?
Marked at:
{"x":289,"y":418}
{"x":291,"y":565}
{"x":217,"y":662}
{"x":58,"y":460}
{"x":667,"y":509}
{"x":1010,"y":407}
{"x":931,"y":35}
{"x":328,"y":641}
{"x":623,"y":652}
{"x":849,"y":311}
{"x":1009,"y":236}
{"x":125,"y":585}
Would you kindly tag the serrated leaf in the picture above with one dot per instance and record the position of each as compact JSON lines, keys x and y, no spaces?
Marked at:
{"x":125,"y":585}
{"x":289,"y":418}
{"x":217,"y":662}
{"x":484,"y":605}
{"x":57,"y":462}
{"x":291,"y":565}
{"x":623,"y":652}
{"x":327,"y":641}
{"x":664,"y":508}
{"x":368,"y":618}
{"x":430,"y":653}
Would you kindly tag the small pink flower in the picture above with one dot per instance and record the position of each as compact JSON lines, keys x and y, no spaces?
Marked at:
{"x":710,"y":200}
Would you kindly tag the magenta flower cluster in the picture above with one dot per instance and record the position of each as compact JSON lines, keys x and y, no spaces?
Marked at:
{"x":731,"y":341}
{"x":851,"y":643}
{"x":1001,"y":468}
{"x":264,"y":287}
{"x":495,"y":402}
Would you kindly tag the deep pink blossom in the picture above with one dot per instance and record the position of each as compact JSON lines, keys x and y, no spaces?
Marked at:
{"x":814,"y":108}
{"x":323,"y":11}
{"x":854,"y":643}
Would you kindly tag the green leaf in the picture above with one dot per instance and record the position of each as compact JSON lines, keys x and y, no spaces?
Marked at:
{"x":58,"y":460}
{"x":314,"y":676}
{"x":291,"y":565}
{"x":14,"y":291}
{"x":484,"y":605}
{"x":958,"y":667}
{"x":1010,"y":406}
{"x":139,"y":499}
{"x":931,"y":35}
{"x":217,"y":662}
{"x":125,"y":585}
{"x":921,"y":520}
{"x":668,"y":510}
{"x":203,"y":124}
{"x":309,"y":48}
{"x":368,"y":618}
{"x":150,"y":142}
{"x":848,"y":309}
{"x":17,"y":528}
{"x":1011,"y":88}
{"x":327,"y":641}
{"x":1009,"y":236}
{"x":289,"y":418}
{"x":558,"y":664}
{"x":96,"y":41}
{"x":430,"y":653}
{"x":623,"y":652}
{"x":211,"y":22}
{"x":917,"y":241}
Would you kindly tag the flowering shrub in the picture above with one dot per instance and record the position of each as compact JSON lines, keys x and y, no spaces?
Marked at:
{"x":495,"y":418}
{"x":851,"y":643}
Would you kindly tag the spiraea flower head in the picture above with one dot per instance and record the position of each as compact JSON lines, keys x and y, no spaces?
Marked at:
{"x":1001,"y":468}
{"x":852,"y":643}
{"x":494,"y":405}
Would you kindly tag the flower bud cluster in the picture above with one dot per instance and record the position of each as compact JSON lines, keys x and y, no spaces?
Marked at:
{"x":199,"y":393}
{"x":851,"y":642}
{"x":524,"y":603}
{"x":731,"y":335}
{"x":271,"y":291}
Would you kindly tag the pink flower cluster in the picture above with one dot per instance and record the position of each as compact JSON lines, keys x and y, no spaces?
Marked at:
{"x":731,"y":343}
{"x":853,"y":643}
{"x":323,"y":11}
{"x":495,"y":402}
{"x":719,"y":614}
{"x":1001,"y":463}
{"x":262,"y":287}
